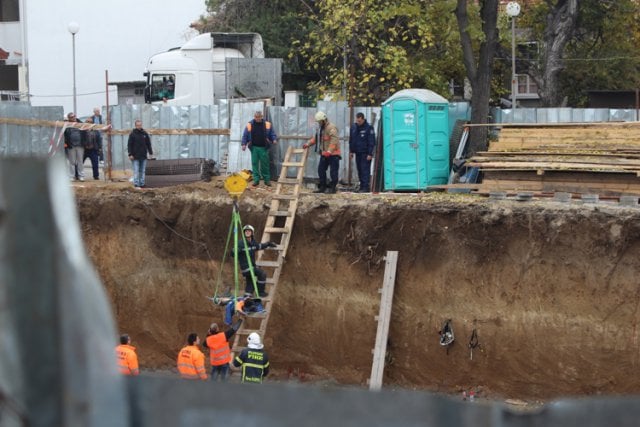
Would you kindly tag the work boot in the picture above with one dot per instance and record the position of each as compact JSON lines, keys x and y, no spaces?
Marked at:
{"x":321,"y":189}
{"x":331,"y":189}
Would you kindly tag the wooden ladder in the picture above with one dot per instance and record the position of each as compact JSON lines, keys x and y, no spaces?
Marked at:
{"x":278,"y":228}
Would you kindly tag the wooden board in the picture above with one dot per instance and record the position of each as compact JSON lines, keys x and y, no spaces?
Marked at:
{"x":384,"y":317}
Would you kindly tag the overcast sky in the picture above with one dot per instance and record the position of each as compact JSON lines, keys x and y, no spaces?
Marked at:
{"x":115,"y":35}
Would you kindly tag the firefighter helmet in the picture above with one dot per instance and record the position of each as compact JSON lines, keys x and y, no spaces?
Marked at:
{"x":320,"y":116}
{"x":253,"y":341}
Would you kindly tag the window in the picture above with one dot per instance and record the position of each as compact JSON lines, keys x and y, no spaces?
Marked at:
{"x":9,"y":11}
{"x":528,"y":50}
{"x":526,"y":86}
{"x":163,"y":86}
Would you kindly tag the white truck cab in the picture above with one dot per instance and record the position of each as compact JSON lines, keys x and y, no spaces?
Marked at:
{"x":196,"y":73}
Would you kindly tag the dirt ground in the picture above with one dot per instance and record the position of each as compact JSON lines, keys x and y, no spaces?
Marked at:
{"x":551,"y":288}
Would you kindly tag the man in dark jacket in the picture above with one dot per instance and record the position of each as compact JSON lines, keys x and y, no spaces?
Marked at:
{"x":92,"y":148}
{"x":362,"y":142}
{"x":139,"y":145}
{"x":74,"y":139}
{"x":253,"y":360}
{"x":248,"y":262}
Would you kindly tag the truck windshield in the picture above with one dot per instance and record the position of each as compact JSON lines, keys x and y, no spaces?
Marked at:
{"x":162,"y":87}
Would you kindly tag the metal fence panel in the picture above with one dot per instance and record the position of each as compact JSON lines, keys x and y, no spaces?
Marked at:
{"x":27,"y":140}
{"x":293,"y":124}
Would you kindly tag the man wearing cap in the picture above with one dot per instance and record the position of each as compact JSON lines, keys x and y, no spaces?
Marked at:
{"x":253,"y":360}
{"x":219,"y":351}
{"x":327,"y":144}
{"x":127,"y":357}
{"x":259,"y":135}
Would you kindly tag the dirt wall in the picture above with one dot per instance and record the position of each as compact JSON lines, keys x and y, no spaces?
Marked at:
{"x":550,"y":288}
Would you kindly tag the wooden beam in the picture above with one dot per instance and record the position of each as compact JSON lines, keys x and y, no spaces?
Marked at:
{"x":384,"y":317}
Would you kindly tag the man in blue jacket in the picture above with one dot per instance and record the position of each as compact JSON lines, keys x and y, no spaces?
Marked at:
{"x":259,"y":135}
{"x":362,"y":142}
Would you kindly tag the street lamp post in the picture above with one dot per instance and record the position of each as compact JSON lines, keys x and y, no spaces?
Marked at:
{"x":513,"y":10}
{"x":73,"y":28}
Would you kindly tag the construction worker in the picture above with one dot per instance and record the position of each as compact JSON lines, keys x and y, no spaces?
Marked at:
{"x":219,"y":351}
{"x":254,"y":360}
{"x":259,"y":135}
{"x":191,"y":359}
{"x":329,"y":149}
{"x":248,"y":262}
{"x":127,"y":357}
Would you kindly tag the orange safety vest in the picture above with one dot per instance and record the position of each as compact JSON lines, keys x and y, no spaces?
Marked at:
{"x":127,"y":359}
{"x":219,"y":351}
{"x":267,"y":126}
{"x":240,"y":306}
{"x":191,"y":363}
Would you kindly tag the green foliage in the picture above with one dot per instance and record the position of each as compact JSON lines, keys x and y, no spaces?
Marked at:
{"x":602,"y":54}
{"x":388,"y":46}
{"x":279,"y":22}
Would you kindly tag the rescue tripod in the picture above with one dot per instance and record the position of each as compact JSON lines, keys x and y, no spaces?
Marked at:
{"x":235,"y":186}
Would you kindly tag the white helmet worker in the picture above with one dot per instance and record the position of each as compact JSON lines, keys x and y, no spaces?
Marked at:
{"x":320,"y":116}
{"x":254,"y":342}
{"x":249,"y":227}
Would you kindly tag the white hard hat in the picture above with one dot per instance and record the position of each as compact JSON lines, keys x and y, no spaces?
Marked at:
{"x":320,"y":116}
{"x":253,"y":341}
{"x":249,"y":227}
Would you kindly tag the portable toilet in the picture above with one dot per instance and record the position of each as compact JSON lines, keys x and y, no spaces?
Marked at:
{"x":415,"y":130}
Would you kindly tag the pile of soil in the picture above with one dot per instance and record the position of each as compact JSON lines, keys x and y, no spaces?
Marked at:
{"x":551,"y":289}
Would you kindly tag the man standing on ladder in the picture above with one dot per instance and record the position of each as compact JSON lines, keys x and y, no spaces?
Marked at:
{"x":247,"y":260}
{"x":258,"y":135}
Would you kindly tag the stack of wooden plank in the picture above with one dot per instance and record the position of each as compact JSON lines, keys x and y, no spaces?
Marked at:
{"x":602,"y":158}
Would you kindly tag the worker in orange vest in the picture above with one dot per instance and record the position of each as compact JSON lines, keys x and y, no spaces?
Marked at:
{"x":219,"y":351}
{"x":127,"y":357}
{"x":191,"y":359}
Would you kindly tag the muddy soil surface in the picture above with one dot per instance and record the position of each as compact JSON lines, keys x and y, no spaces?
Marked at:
{"x":551,"y":289}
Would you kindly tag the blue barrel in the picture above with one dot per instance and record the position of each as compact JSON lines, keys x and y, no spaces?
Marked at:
{"x":415,"y":132}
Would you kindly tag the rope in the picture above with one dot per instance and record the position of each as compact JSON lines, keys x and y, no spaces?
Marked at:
{"x":202,"y":244}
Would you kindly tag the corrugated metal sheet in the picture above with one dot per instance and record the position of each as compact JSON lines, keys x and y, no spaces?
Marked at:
{"x":563,"y":115}
{"x":294,"y":125}
{"x":27,"y":140}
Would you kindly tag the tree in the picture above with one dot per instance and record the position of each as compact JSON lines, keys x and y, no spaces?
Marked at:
{"x":479,"y":66}
{"x":279,"y":22}
{"x":373,"y":48}
{"x":554,"y":22}
{"x":603,"y":52}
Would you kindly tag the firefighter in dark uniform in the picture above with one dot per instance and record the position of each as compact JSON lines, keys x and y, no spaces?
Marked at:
{"x":253,"y":360}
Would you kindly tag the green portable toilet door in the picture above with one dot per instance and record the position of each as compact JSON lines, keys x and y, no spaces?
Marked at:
{"x":405,"y":168}
{"x":437,"y":144}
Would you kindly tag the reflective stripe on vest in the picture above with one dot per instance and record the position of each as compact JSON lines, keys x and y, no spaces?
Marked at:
{"x":186,"y":365}
{"x":252,"y":379}
{"x":127,"y":360}
{"x":219,"y":351}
